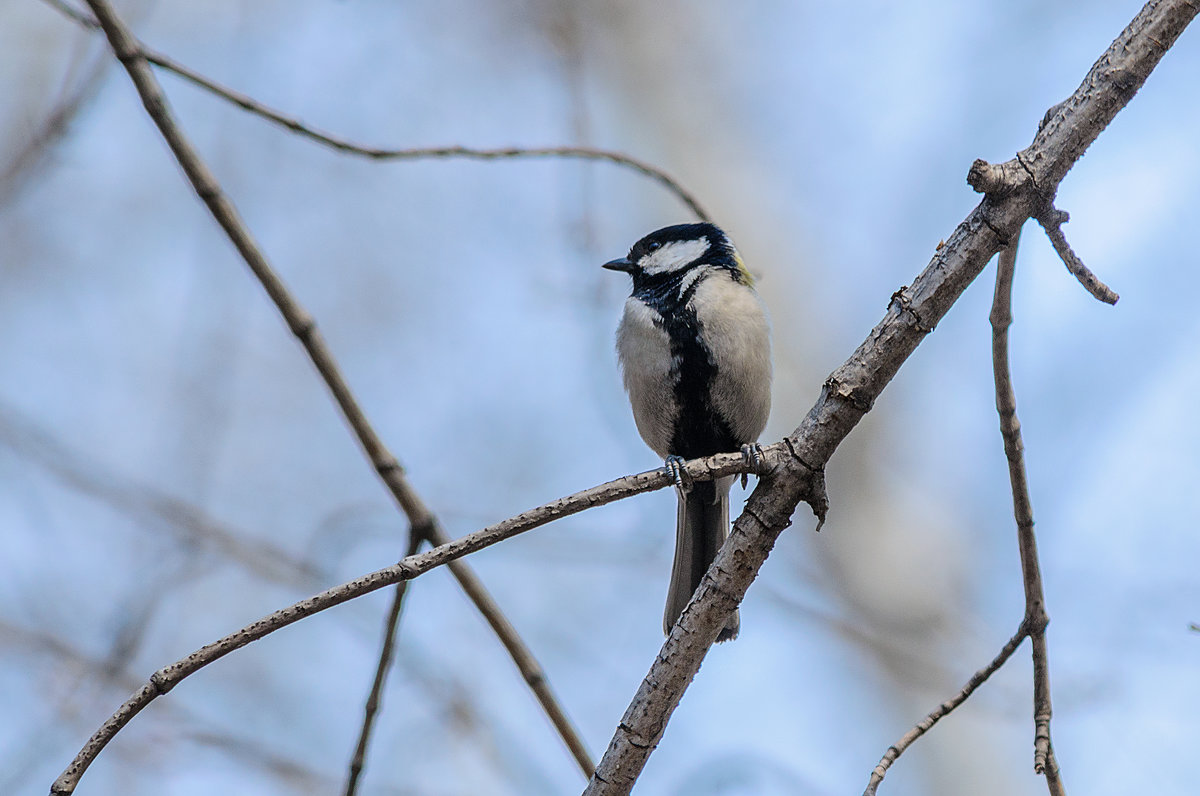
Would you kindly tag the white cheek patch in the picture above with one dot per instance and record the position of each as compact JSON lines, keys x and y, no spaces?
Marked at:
{"x":690,"y":278}
{"x":674,"y":256}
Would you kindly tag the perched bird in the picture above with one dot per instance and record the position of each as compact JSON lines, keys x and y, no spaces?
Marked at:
{"x":695,"y":353}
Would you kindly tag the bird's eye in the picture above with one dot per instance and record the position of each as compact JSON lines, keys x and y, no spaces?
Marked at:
{"x":653,"y":246}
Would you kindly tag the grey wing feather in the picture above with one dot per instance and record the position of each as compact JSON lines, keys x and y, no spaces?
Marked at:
{"x":738,"y":335}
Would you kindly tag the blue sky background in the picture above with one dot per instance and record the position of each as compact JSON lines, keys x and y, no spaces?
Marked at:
{"x":171,"y":468}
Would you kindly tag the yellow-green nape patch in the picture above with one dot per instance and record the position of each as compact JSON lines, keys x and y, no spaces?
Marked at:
{"x":743,"y":273}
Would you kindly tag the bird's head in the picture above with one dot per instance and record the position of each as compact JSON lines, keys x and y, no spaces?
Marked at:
{"x":669,"y":254}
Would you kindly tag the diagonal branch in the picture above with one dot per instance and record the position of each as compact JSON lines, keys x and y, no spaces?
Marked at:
{"x":531,"y":671}
{"x":304,"y":327}
{"x":171,"y":675}
{"x":943,"y":710}
{"x":853,"y":388}
{"x":346,"y":146}
{"x":1052,"y":222}
{"x":415,"y":537}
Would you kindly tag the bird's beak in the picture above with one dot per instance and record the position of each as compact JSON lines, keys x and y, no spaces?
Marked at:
{"x":621,"y":264}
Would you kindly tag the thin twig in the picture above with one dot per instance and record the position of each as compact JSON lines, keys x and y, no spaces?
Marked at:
{"x":415,"y":538}
{"x":531,"y":671}
{"x":1032,"y":623}
{"x":942,"y":710}
{"x":349,"y":147}
{"x":851,"y":390}
{"x":1036,"y":619}
{"x":169,"y":676}
{"x":1052,"y":221}
{"x":127,"y":50}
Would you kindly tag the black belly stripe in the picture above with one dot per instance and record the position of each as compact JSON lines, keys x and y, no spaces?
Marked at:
{"x":699,"y":429}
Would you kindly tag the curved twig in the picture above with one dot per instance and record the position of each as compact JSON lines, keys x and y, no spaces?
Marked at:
{"x":346,"y":146}
{"x":1052,"y":220}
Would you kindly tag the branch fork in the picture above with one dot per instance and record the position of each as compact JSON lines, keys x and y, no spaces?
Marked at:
{"x":1016,"y":177}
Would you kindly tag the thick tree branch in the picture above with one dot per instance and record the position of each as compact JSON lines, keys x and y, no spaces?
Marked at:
{"x":346,"y":146}
{"x":852,"y":389}
{"x":1069,"y":127}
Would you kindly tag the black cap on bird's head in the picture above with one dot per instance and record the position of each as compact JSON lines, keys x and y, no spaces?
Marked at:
{"x":671,"y":251}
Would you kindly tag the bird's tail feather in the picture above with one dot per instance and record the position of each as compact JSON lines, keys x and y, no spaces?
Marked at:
{"x":701,"y":525}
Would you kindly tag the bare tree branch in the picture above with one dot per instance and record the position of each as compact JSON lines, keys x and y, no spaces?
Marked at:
{"x":998,"y":179}
{"x":66,"y":664}
{"x":171,"y":675}
{"x":415,"y":537}
{"x":1036,"y":618}
{"x":852,"y":389}
{"x":129,"y":53}
{"x":943,"y":710}
{"x":349,"y":147}
{"x":531,"y":671}
{"x":1052,"y":221}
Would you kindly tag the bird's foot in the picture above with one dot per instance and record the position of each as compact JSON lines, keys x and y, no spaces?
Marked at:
{"x":683,"y":481}
{"x":753,"y":454}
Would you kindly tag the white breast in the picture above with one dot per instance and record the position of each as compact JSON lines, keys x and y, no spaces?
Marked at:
{"x":735,"y":328}
{"x":646,"y":364}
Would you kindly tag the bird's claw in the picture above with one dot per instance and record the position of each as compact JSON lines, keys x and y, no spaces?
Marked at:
{"x":753,"y":454}
{"x":674,"y":466}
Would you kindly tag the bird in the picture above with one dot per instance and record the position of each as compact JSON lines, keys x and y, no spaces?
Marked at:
{"x":694,"y":349}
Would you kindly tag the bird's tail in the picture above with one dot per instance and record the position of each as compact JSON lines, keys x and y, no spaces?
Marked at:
{"x":701,"y":525}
